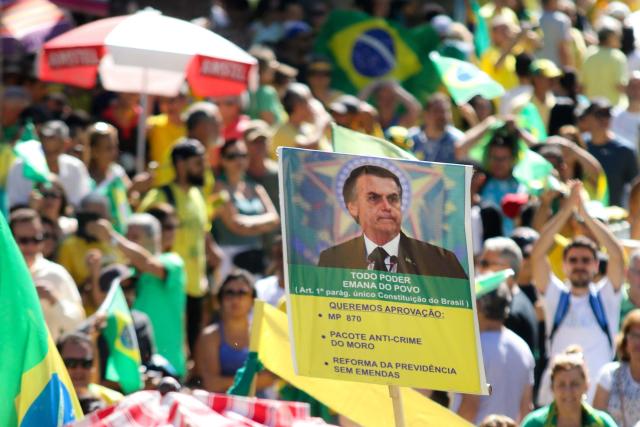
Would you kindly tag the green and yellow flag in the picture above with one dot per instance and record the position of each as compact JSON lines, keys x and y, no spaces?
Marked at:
{"x":464,"y":80}
{"x":365,"y":49}
{"x":36,"y":389}
{"x":351,"y":142}
{"x":123,"y":364}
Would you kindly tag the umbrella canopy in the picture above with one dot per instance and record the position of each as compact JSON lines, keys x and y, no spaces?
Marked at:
{"x":27,"y":24}
{"x":148,"y":53}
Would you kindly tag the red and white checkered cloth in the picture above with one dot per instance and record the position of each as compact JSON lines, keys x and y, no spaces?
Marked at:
{"x":150,"y":409}
{"x":271,"y":413}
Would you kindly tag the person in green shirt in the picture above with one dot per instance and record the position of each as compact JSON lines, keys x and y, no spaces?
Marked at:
{"x":569,"y":384}
{"x":160,"y":286}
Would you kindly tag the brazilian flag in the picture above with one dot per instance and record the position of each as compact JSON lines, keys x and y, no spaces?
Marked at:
{"x":464,"y":80}
{"x":36,"y":389}
{"x":365,"y":49}
{"x":123,"y":364}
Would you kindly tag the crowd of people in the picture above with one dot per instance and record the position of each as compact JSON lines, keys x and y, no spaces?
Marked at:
{"x":194,"y":238}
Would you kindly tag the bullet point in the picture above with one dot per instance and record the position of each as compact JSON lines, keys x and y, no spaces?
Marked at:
{"x":319,"y":314}
{"x":326,"y":363}
{"x":323,"y":337}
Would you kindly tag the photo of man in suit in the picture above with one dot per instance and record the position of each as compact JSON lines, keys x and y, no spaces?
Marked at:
{"x":373,"y":196}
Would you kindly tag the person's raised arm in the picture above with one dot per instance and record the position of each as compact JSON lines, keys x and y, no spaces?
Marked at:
{"x":472,"y":137}
{"x":540,"y":264}
{"x":615,"y":265}
{"x":410,"y":104}
{"x":140,"y":258}
{"x":589,"y":164}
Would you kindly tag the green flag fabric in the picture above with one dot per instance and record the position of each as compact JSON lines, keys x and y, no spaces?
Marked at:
{"x":123,"y":364}
{"x":532,"y":170}
{"x":36,"y":389}
{"x":529,"y":118}
{"x":464,"y":80}
{"x":29,"y":149}
{"x":481,"y":38}
{"x":115,"y":191}
{"x":244,"y":376}
{"x":364,"y":49}
{"x":490,"y":282}
{"x":351,"y":142}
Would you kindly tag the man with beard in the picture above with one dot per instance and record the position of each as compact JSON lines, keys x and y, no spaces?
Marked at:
{"x":579,"y":311}
{"x":192,"y":234}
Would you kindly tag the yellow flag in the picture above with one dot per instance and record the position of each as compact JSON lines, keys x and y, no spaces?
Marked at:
{"x":366,"y":404}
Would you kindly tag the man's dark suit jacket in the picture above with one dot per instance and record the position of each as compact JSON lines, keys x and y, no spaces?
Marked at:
{"x":414,"y":257}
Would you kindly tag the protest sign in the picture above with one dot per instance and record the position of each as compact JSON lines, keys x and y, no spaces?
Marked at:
{"x":377,"y":256}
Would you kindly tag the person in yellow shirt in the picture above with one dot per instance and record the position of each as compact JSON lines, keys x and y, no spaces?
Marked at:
{"x":163,"y":131}
{"x":499,"y":60}
{"x":74,"y":250}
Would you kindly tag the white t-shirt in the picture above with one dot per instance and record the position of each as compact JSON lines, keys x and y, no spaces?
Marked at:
{"x":269,"y":290}
{"x":626,"y":125}
{"x":580,"y":327}
{"x":73,"y":177}
{"x":625,"y":393}
{"x":508,"y":365}
{"x":67,"y":314}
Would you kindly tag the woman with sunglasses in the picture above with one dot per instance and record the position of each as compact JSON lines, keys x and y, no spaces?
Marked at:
{"x":224,"y":346}
{"x":618,"y":390}
{"x":569,"y":385}
{"x":50,"y":200}
{"x":246,"y":215}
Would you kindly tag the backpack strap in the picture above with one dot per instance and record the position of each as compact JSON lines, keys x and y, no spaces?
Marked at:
{"x":598,"y":310}
{"x":168,"y":194}
{"x":561,"y":312}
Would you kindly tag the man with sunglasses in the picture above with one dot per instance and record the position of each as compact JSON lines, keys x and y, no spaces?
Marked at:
{"x":579,"y":311}
{"x":58,"y":293}
{"x":77,"y":352}
{"x":373,"y":196}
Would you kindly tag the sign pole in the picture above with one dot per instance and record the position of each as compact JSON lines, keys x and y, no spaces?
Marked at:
{"x":254,"y":339}
{"x":396,"y":398}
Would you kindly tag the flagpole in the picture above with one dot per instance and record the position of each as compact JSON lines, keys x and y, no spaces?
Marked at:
{"x":254,"y":339}
{"x":396,"y":398}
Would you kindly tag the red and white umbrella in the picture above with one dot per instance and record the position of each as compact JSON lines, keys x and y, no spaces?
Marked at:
{"x":150,"y":54}
{"x":147,"y":53}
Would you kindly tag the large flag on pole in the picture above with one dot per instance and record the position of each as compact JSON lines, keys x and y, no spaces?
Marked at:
{"x":36,"y":389}
{"x":464,"y":80}
{"x":123,"y":364}
{"x":365,"y":49}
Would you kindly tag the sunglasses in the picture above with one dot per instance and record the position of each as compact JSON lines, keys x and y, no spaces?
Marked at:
{"x":78,"y":363}
{"x":170,"y":227}
{"x":26,"y":240}
{"x":232,"y":293}
{"x":51,"y":195}
{"x":583,"y":260}
{"x":320,"y":73}
{"x":233,"y":156}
